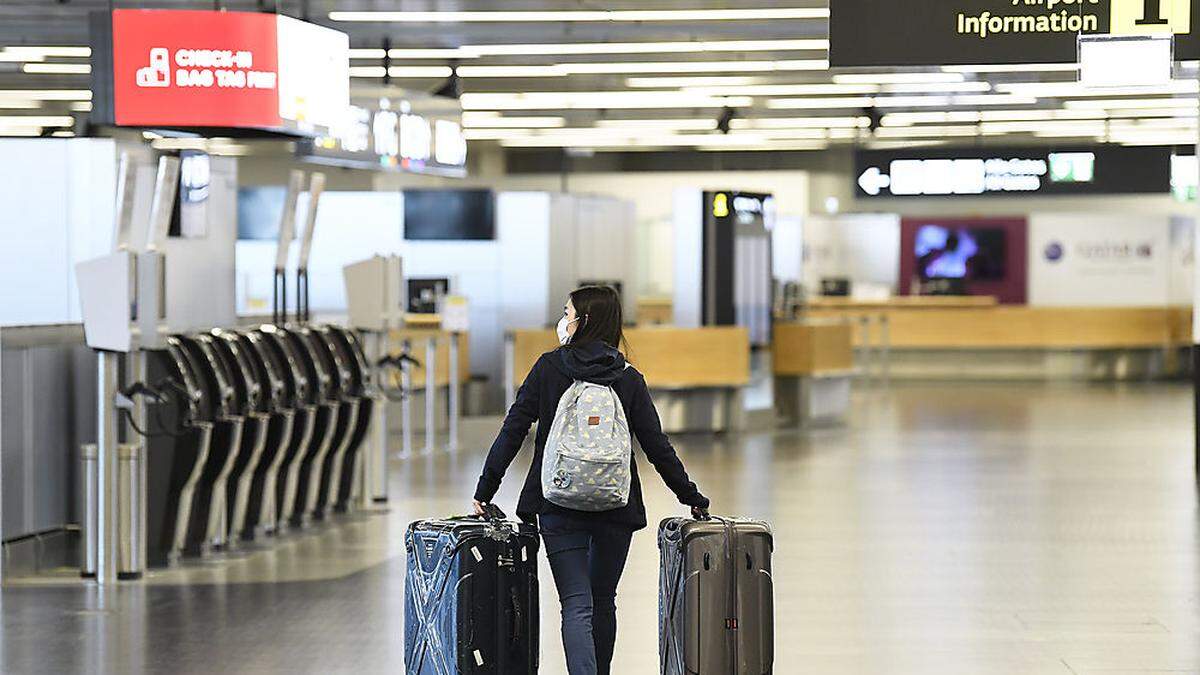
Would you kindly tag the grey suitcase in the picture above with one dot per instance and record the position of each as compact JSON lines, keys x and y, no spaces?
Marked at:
{"x":716,"y":597}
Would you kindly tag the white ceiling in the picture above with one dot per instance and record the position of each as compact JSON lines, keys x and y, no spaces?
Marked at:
{"x":592,"y":75}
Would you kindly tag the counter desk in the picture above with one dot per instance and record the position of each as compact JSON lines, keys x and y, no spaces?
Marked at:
{"x":977,"y":338}
{"x":813,"y":364}
{"x":696,"y":375}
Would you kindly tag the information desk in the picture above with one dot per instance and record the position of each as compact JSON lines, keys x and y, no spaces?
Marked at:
{"x":925,"y":337}
{"x":696,"y":375}
{"x":813,"y":362}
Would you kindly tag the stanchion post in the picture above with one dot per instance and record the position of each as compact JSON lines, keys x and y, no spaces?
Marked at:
{"x":106,"y":467}
{"x":510,"y":367}
{"x":885,"y":346}
{"x":864,"y":324}
{"x":406,"y":391}
{"x":453,"y":393}
{"x":375,"y":488}
{"x":430,"y":394}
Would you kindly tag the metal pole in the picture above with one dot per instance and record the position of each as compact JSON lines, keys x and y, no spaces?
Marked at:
{"x":864,"y":323}
{"x":453,"y":391}
{"x":430,"y":393}
{"x":377,"y":488}
{"x":885,"y":347}
{"x":134,"y":541}
{"x":106,"y":466}
{"x":406,"y":390}
{"x":510,"y":366}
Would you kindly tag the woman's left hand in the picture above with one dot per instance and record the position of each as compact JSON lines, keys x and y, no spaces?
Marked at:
{"x":478,"y":505}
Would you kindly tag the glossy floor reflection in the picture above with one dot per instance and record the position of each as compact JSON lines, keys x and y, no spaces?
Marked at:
{"x":948,"y":529}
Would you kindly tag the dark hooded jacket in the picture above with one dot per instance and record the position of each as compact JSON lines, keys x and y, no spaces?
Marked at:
{"x":537,"y":400}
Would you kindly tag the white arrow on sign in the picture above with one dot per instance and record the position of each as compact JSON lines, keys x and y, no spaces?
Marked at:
{"x":872,"y":181}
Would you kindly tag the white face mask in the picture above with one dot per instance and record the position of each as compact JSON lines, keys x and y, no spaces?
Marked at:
{"x":561,"y":329}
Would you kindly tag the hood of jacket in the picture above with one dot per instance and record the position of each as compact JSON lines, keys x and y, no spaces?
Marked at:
{"x":594,"y":362}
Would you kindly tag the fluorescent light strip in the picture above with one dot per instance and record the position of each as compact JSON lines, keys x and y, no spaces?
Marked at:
{"x":699,"y":124}
{"x":37,"y":121}
{"x":582,"y":48}
{"x":497,"y":122}
{"x":38,"y":52}
{"x":698,"y":81}
{"x":46,"y":94}
{"x":21,"y":131}
{"x":1152,"y":103}
{"x":18,"y":57}
{"x":896,"y":78}
{"x":57,"y":68}
{"x":78,"y":106}
{"x":800,"y":122}
{"x":898,"y":101}
{"x":932,"y":132}
{"x":19,"y":105}
{"x":630,"y":67}
{"x":367,"y":53}
{"x":402,"y":72}
{"x":820,"y":103}
{"x":598,"y":100}
{"x":787,"y":90}
{"x":1014,"y":68}
{"x":572,"y":16}
{"x":1075,"y":90}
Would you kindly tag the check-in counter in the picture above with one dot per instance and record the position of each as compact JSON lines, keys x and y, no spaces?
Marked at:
{"x":418,"y":339}
{"x":696,"y":375}
{"x":813,"y":364}
{"x":930,"y":337}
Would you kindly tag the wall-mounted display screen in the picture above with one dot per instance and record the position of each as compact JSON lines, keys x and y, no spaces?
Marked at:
{"x":969,"y":253}
{"x":964,"y":256}
{"x":259,"y":209}
{"x":449,"y":214}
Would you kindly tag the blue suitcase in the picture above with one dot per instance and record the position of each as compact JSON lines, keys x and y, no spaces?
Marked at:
{"x":471,"y":597}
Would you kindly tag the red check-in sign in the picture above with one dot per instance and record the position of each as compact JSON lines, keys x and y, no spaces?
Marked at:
{"x":195,"y":69}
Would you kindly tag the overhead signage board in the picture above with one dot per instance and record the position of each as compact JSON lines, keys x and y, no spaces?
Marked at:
{"x":965,"y":32}
{"x":997,"y":171}
{"x":417,"y":133}
{"x":224,"y":70}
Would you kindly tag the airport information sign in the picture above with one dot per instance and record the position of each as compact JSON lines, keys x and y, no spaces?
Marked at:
{"x":224,"y":70}
{"x":997,"y":171}
{"x":965,"y":32}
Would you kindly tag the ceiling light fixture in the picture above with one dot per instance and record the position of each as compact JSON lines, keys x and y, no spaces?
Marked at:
{"x":896,"y":78}
{"x":47,"y":94}
{"x":1014,"y":68}
{"x":632,"y":67}
{"x":57,"y":68}
{"x":38,"y":52}
{"x":573,"y":16}
{"x":688,"y":82}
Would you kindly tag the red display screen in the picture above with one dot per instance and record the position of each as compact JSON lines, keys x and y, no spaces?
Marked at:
{"x":195,"y":69}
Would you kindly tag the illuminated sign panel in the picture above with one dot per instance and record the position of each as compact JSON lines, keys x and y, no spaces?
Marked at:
{"x":236,"y":70}
{"x":417,"y":133}
{"x":987,"y":171}
{"x":944,"y":32}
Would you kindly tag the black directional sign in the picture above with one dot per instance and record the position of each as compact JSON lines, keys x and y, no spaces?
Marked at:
{"x":963,"y":32}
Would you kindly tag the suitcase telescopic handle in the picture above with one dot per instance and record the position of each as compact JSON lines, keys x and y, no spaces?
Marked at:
{"x":493,"y":513}
{"x":518,"y":617}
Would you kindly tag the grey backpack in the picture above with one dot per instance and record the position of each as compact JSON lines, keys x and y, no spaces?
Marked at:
{"x":585,"y":466}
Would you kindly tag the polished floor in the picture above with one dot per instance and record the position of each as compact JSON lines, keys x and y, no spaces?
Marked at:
{"x":948,"y":529}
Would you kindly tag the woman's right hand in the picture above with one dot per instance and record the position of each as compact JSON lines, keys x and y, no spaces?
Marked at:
{"x":478,"y":505}
{"x":700,"y":513}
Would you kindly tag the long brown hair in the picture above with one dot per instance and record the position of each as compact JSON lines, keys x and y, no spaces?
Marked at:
{"x":598,"y":309}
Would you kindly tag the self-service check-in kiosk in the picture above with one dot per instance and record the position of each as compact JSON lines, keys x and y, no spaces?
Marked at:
{"x":375,"y":299}
{"x":122,"y":296}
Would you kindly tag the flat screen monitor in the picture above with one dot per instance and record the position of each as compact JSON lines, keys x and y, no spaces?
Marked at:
{"x":967,"y":253}
{"x":449,"y":215}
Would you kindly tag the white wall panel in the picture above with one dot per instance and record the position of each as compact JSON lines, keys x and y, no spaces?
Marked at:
{"x":1081,"y":260}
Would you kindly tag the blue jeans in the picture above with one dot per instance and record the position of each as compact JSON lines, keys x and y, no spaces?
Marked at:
{"x":587,"y":559}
